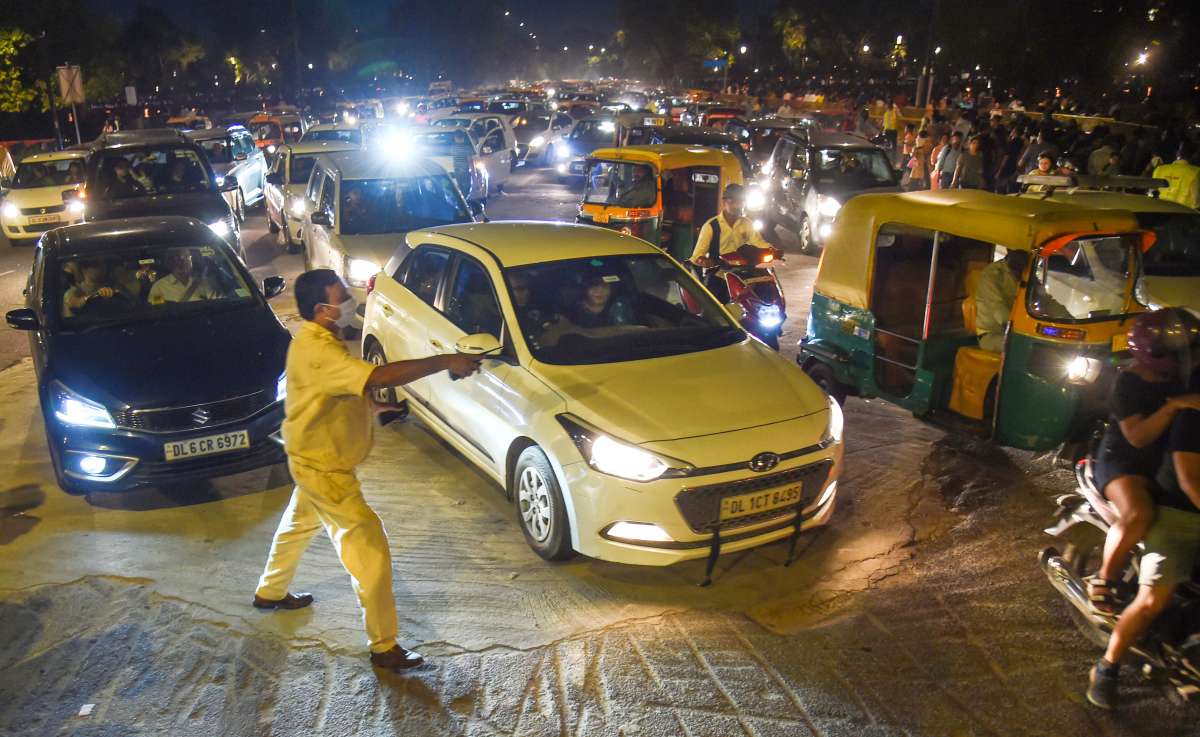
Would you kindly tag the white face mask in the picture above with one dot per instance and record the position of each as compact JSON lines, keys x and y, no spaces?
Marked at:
{"x":346,"y":311}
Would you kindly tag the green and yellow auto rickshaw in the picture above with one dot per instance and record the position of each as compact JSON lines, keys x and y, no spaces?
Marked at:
{"x":661,"y":194}
{"x":894,"y":307}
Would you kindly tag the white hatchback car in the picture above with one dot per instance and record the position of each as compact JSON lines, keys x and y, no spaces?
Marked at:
{"x":620,"y":406}
{"x":33,"y":201}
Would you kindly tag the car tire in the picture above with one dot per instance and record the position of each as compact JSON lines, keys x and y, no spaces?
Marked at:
{"x":376,"y":356}
{"x":272,"y":226}
{"x":804,"y":233}
{"x":823,"y":377}
{"x":541,"y":512}
{"x":239,"y":210}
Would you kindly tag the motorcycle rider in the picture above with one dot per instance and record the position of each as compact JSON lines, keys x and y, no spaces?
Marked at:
{"x":734,"y":228}
{"x":1171,"y":550}
{"x":1147,"y":397}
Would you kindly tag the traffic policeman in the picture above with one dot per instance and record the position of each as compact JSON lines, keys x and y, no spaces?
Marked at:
{"x":1183,"y":178}
{"x":327,"y":432}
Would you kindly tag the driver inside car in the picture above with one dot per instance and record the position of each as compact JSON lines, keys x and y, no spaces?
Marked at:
{"x":597,"y":308}
{"x":183,"y":284}
{"x":91,"y":283}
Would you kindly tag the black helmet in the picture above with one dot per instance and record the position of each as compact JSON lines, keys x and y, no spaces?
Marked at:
{"x":734,"y":192}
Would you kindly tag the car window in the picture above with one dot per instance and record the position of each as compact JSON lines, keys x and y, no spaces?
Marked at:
{"x":783,"y":153}
{"x":302,"y":167}
{"x":377,"y":206}
{"x":562,"y":121}
{"x":424,"y":271}
{"x":493,"y":143}
{"x":326,"y":205}
{"x":266,"y":131}
{"x":621,"y":184}
{"x":151,"y":170}
{"x":615,"y":308}
{"x":314,"y":187}
{"x":852,"y":168}
{"x":471,"y":302}
{"x":48,"y":174}
{"x":156,"y":281}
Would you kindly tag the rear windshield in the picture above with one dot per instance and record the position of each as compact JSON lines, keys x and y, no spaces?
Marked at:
{"x":345,"y":135}
{"x":376,"y":206}
{"x":152,"y":170}
{"x":853,"y":168}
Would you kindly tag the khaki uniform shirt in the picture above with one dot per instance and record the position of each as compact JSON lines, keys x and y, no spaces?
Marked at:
{"x":170,"y":289}
{"x":995,"y":294}
{"x":328,"y":424}
{"x":733,"y":237}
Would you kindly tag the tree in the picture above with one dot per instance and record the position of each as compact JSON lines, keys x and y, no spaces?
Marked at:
{"x":15,"y":95}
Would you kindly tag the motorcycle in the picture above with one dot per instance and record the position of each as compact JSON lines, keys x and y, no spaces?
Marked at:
{"x":746,"y":277}
{"x":1170,"y":651}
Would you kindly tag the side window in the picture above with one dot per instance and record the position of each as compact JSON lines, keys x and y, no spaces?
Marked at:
{"x":424,"y":271}
{"x":783,"y":154}
{"x":314,"y":186}
{"x":562,"y":121}
{"x":327,"y":197}
{"x":800,"y":160}
{"x":471,"y":302}
{"x":493,"y":143}
{"x":33,"y":288}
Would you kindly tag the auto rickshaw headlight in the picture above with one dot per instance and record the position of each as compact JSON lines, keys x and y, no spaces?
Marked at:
{"x":828,"y":206}
{"x":1083,"y":370}
{"x":756,"y":199}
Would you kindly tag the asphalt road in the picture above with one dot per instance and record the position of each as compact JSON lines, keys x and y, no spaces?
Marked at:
{"x":919,"y":611}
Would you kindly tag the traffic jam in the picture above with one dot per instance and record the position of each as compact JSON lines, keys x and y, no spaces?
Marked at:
{"x":650,"y":318}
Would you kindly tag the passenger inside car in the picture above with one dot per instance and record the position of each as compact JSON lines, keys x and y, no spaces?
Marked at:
{"x":597,"y":308}
{"x":92,"y":283}
{"x":119,"y":181}
{"x":182,"y":284}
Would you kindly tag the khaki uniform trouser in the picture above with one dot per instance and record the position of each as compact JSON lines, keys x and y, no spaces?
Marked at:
{"x":334,"y":501}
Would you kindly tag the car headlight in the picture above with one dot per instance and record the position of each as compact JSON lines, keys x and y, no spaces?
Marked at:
{"x":297,"y":207}
{"x":537,"y":141}
{"x":281,"y":387}
{"x":617,"y":458}
{"x":270,"y":148}
{"x":359,"y":271}
{"x":561,"y":168}
{"x":72,"y":409}
{"x":10,"y":211}
{"x":220,"y":180}
{"x":220,"y":227}
{"x":1083,"y":370}
{"x":833,"y":431}
{"x":828,"y":206}
{"x":75,"y":208}
{"x":756,"y":199}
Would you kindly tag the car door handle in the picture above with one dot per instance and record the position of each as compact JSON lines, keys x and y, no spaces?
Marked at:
{"x":386,"y":310}
{"x":436,"y":344}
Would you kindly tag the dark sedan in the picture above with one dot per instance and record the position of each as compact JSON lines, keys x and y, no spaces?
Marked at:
{"x":157,"y":356}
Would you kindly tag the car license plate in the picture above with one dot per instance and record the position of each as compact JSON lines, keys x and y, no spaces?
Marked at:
{"x":207,"y":445}
{"x":43,"y":219}
{"x":744,"y":505}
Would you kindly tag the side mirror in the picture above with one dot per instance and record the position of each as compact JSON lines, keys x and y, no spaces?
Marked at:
{"x":25,"y":319}
{"x":275,"y":178}
{"x":476,"y":208}
{"x":479,"y":344}
{"x":321,"y":218}
{"x":228,"y":184}
{"x":273,"y":286}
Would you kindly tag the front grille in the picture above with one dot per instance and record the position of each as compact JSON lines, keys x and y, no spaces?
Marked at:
{"x":48,"y":210}
{"x":701,"y":505}
{"x":195,"y":417}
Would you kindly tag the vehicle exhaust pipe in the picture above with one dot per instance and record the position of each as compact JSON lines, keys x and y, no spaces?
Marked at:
{"x":1062,"y":578}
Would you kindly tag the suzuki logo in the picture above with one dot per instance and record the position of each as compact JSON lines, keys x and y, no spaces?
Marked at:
{"x":43,"y":211}
{"x":764,"y":462}
{"x":200,"y":417}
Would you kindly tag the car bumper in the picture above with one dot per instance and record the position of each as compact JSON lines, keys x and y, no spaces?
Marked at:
{"x":600,"y":501}
{"x":135,"y":459}
{"x":19,"y":228}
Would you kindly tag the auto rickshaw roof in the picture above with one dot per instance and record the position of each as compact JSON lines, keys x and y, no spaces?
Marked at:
{"x":303,"y":148}
{"x":1102,"y":200}
{"x":669,"y":155}
{"x":1019,"y":223}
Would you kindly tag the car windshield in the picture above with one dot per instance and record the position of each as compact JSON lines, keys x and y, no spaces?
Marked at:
{"x":452,"y":123}
{"x":301,"y":167}
{"x":621,"y":184}
{"x":507,"y":106}
{"x":151,"y":282}
{"x":218,"y":150}
{"x":442,"y":143}
{"x":345,"y":135}
{"x":478,"y":106}
{"x":152,"y":170}
{"x":615,"y":308}
{"x":376,"y":206}
{"x":63,"y":172}
{"x":266,"y":131}
{"x":1088,"y":279}
{"x":853,"y":168}
{"x":1176,"y":251}
{"x":594,"y":131}
{"x":292,"y":132}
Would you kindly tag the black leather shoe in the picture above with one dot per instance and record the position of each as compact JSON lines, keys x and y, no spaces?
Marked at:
{"x":397,"y":658}
{"x":291,"y":601}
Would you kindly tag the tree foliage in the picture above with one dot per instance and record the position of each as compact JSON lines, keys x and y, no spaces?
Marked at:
{"x":15,"y":93}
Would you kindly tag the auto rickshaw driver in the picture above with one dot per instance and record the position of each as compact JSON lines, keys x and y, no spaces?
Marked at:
{"x":995,"y":295}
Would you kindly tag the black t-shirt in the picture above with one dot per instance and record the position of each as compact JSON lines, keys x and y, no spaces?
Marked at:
{"x":1133,"y":395}
{"x":1184,"y":437}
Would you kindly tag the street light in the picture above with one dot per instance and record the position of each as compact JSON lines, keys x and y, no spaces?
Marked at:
{"x":866,"y":48}
{"x":899,"y":40}
{"x":506,"y":13}
{"x":1142,"y":58}
{"x":937,"y":51}
{"x":565,"y":48}
{"x":742,"y":49}
{"x":602,"y":49}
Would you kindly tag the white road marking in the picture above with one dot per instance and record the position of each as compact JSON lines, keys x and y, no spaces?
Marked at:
{"x":6,"y":273}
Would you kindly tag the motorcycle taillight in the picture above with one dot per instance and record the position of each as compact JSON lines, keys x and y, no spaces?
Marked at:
{"x":736,"y":288}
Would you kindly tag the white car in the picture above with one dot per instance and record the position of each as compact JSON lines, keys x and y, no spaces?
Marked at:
{"x":481,"y":166}
{"x":286,"y":183}
{"x":481,"y":124}
{"x":539,"y":135}
{"x":358,"y":205}
{"x":338,"y":132}
{"x":33,"y":200}
{"x":621,"y":407}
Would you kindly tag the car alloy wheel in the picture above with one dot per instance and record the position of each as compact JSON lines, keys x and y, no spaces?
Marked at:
{"x":386,"y":395}
{"x":540,"y":508}
{"x":806,"y":241}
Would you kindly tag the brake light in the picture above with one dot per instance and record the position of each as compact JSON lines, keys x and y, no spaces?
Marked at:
{"x":736,"y":289}
{"x":371,"y":283}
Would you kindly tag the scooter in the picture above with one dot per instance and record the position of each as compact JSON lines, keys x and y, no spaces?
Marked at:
{"x":746,"y":277}
{"x":1170,"y":651}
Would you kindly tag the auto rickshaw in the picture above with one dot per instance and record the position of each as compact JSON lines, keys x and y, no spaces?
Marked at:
{"x":894,"y":308}
{"x":661,"y":194}
{"x":272,"y":130}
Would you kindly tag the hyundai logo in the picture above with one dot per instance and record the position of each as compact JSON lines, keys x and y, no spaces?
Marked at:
{"x":200,"y":417}
{"x":764,"y":462}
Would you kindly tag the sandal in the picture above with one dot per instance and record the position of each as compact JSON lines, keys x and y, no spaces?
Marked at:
{"x":1103,"y":597}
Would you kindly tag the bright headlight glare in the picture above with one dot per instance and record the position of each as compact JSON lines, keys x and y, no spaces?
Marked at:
{"x":220,"y":180}
{"x":828,"y":206}
{"x":833,"y":432}
{"x":281,"y":387}
{"x":10,"y":211}
{"x":756,"y":199}
{"x":297,"y":207}
{"x":537,"y":141}
{"x":561,"y":168}
{"x":75,"y":207}
{"x":757,"y":224}
{"x":608,"y":127}
{"x":616,"y":458}
{"x":270,"y":148}
{"x":359,"y":271}
{"x":72,"y":409}
{"x":220,"y":227}
{"x":640,"y":531}
{"x":1083,"y":370}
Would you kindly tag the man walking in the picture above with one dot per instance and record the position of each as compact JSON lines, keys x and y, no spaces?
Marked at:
{"x":327,"y":433}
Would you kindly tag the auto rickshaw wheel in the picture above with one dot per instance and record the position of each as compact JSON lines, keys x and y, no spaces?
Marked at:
{"x":823,"y":377}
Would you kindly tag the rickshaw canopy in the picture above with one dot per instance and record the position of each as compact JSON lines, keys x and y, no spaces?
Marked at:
{"x":667,"y":156}
{"x":1019,"y":223}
